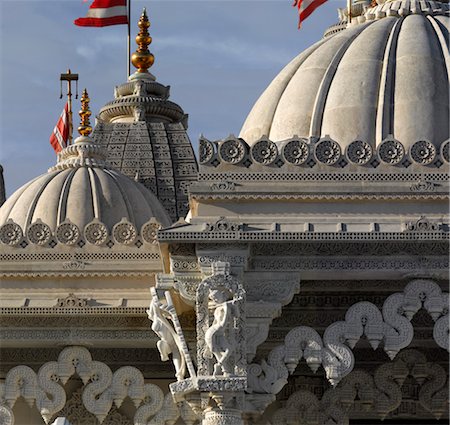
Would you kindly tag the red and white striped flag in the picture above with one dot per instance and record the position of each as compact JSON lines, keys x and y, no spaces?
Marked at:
{"x":102,"y":13}
{"x":305,"y":8}
{"x":60,"y":134}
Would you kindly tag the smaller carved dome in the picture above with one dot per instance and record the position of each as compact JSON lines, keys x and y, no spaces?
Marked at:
{"x":81,"y":199}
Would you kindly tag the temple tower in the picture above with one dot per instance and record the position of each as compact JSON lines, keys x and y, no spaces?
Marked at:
{"x":145,"y":133}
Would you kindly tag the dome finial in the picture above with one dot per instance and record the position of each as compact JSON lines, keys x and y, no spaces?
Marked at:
{"x":85,"y":126}
{"x":142,"y":59}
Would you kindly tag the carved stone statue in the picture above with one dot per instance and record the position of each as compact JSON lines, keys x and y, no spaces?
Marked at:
{"x":169,"y":342}
{"x":219,"y":337}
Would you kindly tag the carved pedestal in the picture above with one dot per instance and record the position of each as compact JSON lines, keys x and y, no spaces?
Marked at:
{"x":223,"y":417}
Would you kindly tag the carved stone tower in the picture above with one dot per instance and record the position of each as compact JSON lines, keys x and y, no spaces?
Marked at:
{"x":145,"y":133}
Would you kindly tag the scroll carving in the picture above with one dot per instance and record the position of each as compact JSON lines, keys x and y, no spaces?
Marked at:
{"x":101,"y":389}
{"x":380,"y":393}
{"x":392,"y":325}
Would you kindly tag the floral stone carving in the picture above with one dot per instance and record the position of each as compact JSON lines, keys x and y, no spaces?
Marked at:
{"x":264,"y":152}
{"x":391,"y":151}
{"x":232,"y":151}
{"x":296,"y":152}
{"x":124,"y":232}
{"x":71,"y":301}
{"x":68,"y":233}
{"x":39,"y":233}
{"x":359,"y":152}
{"x":423,"y":152}
{"x":11,"y":233}
{"x":96,"y":233}
{"x":328,"y":152}
{"x":445,"y":150}
{"x":149,"y":231}
{"x":206,"y":149}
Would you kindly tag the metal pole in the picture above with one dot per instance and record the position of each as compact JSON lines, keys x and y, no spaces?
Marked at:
{"x":69,"y":103}
{"x":69,"y":77}
{"x":128,"y":38}
{"x":349,"y":10}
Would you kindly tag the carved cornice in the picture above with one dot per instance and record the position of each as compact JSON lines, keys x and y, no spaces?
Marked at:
{"x":244,"y":235}
{"x":76,"y":274}
{"x":324,"y":155}
{"x":344,"y":196}
{"x":405,"y":264}
{"x":330,"y":177}
{"x":122,"y":337}
{"x":356,"y":248}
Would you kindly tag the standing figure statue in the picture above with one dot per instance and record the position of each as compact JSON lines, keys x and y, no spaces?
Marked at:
{"x":219,"y":337}
{"x":169,"y":340}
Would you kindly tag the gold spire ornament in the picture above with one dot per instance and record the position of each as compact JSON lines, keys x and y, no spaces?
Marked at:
{"x":85,"y":126}
{"x":142,"y":59}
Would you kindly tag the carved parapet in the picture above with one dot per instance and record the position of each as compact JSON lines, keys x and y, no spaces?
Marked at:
{"x":316,"y":153}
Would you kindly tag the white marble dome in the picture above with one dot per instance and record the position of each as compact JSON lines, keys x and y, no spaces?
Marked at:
{"x":80,"y":199}
{"x":385,"y":76}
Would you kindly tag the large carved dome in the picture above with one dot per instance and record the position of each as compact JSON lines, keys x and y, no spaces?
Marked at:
{"x":386,"y":75}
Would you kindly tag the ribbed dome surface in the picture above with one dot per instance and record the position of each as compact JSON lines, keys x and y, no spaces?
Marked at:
{"x":383,"y":77}
{"x":80,"y":195}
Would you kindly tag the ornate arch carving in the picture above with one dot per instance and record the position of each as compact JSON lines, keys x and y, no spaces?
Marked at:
{"x":101,"y":388}
{"x":392,"y":325}
{"x":380,"y":393}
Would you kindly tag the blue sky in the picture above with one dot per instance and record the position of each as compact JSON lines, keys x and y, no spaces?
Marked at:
{"x":217,"y":56}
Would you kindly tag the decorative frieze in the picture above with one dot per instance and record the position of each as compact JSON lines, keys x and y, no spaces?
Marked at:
{"x":96,"y":233}
{"x":299,"y":151}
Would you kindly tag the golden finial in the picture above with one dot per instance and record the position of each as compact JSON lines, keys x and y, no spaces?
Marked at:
{"x":142,"y":59}
{"x":85,"y":126}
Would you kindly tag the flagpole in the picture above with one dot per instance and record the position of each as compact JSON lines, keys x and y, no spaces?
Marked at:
{"x":128,"y":38}
{"x":69,"y":77}
{"x":349,"y":11}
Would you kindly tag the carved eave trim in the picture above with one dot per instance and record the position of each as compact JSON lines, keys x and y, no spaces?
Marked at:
{"x":424,"y":180}
{"x":77,"y":274}
{"x":73,"y":311}
{"x":193,"y":233}
{"x":378,"y":196}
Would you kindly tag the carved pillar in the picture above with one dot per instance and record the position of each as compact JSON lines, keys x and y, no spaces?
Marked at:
{"x":216,"y":390}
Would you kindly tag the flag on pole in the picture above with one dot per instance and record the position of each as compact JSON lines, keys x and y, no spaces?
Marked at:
{"x":306,"y":7}
{"x":102,"y":13}
{"x":60,"y":134}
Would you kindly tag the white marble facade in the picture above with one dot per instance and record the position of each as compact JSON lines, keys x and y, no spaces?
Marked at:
{"x":308,"y":282}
